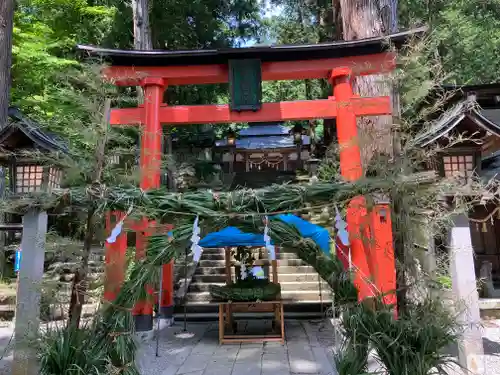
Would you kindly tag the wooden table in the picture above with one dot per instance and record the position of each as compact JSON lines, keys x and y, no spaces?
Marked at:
{"x":227,"y":324}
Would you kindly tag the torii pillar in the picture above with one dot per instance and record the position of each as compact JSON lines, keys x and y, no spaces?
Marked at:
{"x":362,"y":256}
{"x":150,"y":167}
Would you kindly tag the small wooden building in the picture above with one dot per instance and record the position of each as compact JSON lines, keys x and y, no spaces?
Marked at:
{"x":472,"y":111}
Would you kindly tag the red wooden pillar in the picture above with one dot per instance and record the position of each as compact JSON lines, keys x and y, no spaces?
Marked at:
{"x":143,"y":309}
{"x":150,"y":164}
{"x":382,"y":252}
{"x":115,"y":258}
{"x":351,"y":169}
{"x":167,"y":286}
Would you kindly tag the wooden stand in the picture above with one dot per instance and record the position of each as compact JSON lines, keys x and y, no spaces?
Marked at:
{"x":227,"y":325}
{"x":226,"y":321}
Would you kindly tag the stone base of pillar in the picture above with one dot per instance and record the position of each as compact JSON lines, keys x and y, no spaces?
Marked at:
{"x":165,"y":323}
{"x":167,"y":312}
{"x":143,"y":323}
{"x":166,"y":317}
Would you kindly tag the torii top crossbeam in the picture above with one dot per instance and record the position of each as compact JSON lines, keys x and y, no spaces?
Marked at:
{"x":366,"y":56}
{"x":170,"y":68}
{"x":336,"y":61}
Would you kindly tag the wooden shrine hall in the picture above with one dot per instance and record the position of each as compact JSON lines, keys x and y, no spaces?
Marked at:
{"x":245,"y":69}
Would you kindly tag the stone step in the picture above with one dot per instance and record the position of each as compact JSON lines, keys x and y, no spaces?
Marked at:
{"x":213,"y":251}
{"x":209,"y":278}
{"x":298,"y":277}
{"x":285,"y":286}
{"x":282,"y":277}
{"x":290,"y":296}
{"x":221,"y":256}
{"x":285,"y":269}
{"x":212,"y":256}
{"x":222,"y":263}
{"x":217,"y":271}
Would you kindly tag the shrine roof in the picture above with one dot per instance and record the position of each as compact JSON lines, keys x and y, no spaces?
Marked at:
{"x":336,"y":49}
{"x":490,"y":167}
{"x":18,"y":122}
{"x":485,"y":119}
{"x":269,"y":142}
{"x":263,"y":130}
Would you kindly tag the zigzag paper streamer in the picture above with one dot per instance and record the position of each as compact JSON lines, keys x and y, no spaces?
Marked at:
{"x":341,"y":227}
{"x":243,"y":271}
{"x":115,"y":232}
{"x":196,"y":249}
{"x":267,"y":240}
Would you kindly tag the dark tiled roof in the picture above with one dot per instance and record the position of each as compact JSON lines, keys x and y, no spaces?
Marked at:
{"x":490,"y":167}
{"x":264,"y":130}
{"x":451,"y":118}
{"x":44,"y":140}
{"x":269,"y":142}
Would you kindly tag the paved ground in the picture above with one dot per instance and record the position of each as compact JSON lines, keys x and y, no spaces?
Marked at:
{"x":491,"y":343}
{"x":307,"y":351}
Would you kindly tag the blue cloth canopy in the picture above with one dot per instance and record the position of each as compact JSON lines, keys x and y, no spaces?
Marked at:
{"x":232,"y":236}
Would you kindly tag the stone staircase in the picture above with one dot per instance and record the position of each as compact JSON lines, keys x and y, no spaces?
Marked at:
{"x":301,"y":286}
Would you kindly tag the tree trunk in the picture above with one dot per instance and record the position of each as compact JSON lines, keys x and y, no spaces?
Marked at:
{"x":6,"y":25}
{"x":366,"y":19}
{"x":80,"y":283}
{"x":142,"y":31}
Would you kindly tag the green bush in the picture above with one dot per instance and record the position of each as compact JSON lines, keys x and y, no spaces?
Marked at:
{"x":413,"y":343}
{"x":72,"y":351}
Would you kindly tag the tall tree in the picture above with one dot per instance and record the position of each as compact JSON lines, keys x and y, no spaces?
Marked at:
{"x":366,"y":19}
{"x":6,"y":25}
{"x":142,"y":31}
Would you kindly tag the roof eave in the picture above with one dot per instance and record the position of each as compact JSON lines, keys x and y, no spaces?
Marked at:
{"x":137,"y":56}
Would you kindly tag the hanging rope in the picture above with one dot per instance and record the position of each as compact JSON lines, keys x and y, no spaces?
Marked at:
{"x":359,"y":271}
{"x":487,"y":218}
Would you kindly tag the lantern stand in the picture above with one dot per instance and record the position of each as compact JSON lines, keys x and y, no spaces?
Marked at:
{"x":313,"y":164}
{"x":231,"y":143}
{"x":185,"y":334}
{"x":28,"y":175}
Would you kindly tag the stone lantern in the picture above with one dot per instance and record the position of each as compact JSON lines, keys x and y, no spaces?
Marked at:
{"x":20,"y":140}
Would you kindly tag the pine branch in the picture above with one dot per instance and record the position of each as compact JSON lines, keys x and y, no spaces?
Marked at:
{"x":206,"y":203}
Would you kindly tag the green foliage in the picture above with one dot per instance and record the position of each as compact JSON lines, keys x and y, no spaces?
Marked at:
{"x":466,"y":33}
{"x":47,"y":31}
{"x":68,"y":350}
{"x":412,"y":344}
{"x":45,"y":34}
{"x":444,"y":281}
{"x":248,"y":290}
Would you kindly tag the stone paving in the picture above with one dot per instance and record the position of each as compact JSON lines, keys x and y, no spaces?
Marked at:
{"x":307,"y":350}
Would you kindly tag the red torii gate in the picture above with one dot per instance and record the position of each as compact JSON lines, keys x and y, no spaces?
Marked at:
{"x":338,"y":62}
